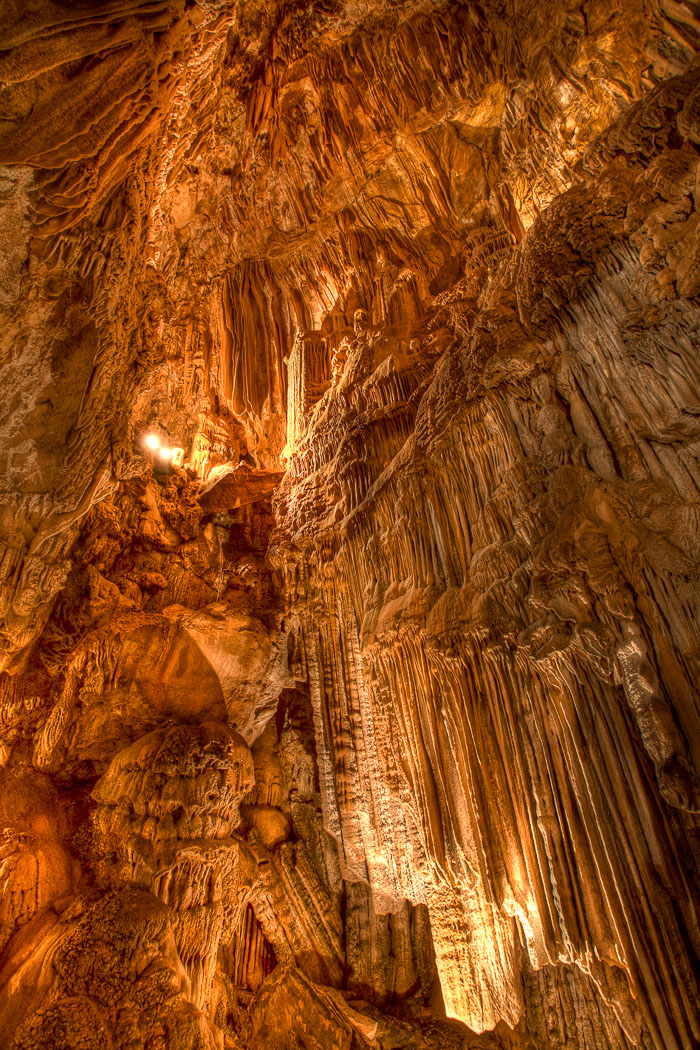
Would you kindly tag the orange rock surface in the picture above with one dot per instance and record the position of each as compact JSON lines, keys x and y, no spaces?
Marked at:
{"x":349,"y":525}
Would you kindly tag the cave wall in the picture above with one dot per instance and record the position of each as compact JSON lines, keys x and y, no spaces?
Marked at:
{"x":376,"y":722}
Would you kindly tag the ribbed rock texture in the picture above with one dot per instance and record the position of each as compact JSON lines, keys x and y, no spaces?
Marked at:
{"x":367,"y":717}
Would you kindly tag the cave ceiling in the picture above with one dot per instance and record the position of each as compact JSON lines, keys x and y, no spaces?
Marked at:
{"x":349,"y":524}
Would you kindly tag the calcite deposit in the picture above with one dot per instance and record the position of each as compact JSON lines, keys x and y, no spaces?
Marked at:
{"x":349,"y":524}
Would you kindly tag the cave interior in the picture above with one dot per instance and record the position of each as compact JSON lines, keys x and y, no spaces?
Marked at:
{"x":349,"y":524}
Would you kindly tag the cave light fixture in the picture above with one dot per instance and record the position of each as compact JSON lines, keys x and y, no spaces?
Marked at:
{"x":167,"y":453}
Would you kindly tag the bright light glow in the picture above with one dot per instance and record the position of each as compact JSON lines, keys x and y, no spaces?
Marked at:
{"x":152,"y":441}
{"x":165,"y":453}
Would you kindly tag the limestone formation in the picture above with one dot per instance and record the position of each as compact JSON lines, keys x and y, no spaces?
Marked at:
{"x":349,"y":525}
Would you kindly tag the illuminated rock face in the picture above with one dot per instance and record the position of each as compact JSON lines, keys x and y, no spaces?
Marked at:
{"x":368,"y":717}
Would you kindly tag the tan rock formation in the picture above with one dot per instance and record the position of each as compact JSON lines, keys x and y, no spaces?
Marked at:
{"x":349,"y":525}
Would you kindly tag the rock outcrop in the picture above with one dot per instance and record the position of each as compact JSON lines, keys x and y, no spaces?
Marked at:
{"x":349,"y":525}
